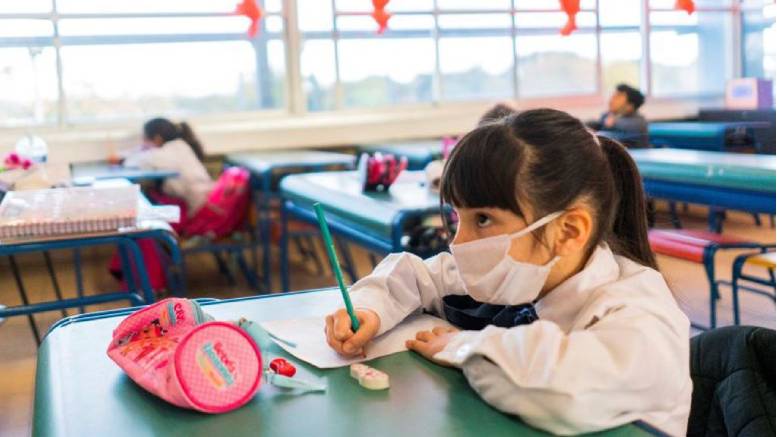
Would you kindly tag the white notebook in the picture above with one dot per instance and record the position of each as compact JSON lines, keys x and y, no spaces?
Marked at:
{"x":305,"y":339}
{"x":62,"y":211}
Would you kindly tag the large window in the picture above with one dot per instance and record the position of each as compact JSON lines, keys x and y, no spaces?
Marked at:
{"x":102,"y":60}
{"x":759,"y":37}
{"x":74,"y":61}
{"x":690,"y":54}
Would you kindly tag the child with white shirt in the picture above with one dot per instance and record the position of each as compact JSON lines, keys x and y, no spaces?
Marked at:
{"x":564,"y":319}
{"x":174,"y":146}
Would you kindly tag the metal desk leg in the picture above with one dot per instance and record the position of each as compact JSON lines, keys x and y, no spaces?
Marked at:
{"x":736,"y":273}
{"x":345,"y":251}
{"x":314,"y":253}
{"x":715,"y":219}
{"x":265,"y":224}
{"x":79,"y":276}
{"x":53,"y":276}
{"x":128,"y":271}
{"x":284,"y":243}
{"x":709,"y":268}
{"x":673,"y":215}
{"x":177,"y":268}
{"x":249,"y":275}
{"x":145,"y":283}
{"x":23,"y":294}
{"x":224,"y":268}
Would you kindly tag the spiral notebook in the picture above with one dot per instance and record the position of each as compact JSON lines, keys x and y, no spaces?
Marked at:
{"x":63,"y":211}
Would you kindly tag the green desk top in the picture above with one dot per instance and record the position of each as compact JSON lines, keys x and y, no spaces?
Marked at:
{"x":719,"y":169}
{"x":341,"y":194}
{"x":418,"y":153}
{"x":79,"y":391}
{"x":264,"y":160}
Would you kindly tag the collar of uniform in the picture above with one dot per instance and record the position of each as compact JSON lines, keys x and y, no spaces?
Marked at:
{"x":564,"y":302}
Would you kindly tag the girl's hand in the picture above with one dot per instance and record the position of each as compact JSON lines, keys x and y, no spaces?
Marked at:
{"x":428,"y":343}
{"x":342,"y":339}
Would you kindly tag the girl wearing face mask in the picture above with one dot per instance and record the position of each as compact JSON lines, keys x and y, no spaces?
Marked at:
{"x":563,"y":318}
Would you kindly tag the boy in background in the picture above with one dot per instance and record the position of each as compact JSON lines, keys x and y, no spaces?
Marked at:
{"x":623,"y":120}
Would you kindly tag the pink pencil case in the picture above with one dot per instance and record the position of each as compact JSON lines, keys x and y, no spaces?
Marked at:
{"x":177,"y":352}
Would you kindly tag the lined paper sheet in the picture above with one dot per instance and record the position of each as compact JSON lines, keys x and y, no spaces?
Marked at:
{"x":310,"y":342}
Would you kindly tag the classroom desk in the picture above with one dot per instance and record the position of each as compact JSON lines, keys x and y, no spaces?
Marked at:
{"x":418,"y":153}
{"x":765,"y":135}
{"x":79,"y":391}
{"x":735,"y":181}
{"x":710,"y":136}
{"x":267,"y":169}
{"x":126,"y":242}
{"x":374,"y":220}
{"x":87,"y":172}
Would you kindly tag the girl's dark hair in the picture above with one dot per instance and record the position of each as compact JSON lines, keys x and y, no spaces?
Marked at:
{"x":549,"y":159}
{"x":170,"y":131}
{"x":496,"y":113}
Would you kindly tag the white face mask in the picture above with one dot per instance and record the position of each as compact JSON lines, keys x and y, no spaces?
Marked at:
{"x":491,"y":275}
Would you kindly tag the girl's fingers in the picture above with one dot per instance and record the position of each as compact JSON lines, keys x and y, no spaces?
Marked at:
{"x":330,"y":339}
{"x":367,"y":330}
{"x":342,"y":326}
{"x":439,"y":330}
{"x":424,"y":336}
{"x":334,"y":344}
{"x":418,"y":346}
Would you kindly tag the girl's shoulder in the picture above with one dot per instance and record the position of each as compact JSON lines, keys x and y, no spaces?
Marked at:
{"x":641,"y":289}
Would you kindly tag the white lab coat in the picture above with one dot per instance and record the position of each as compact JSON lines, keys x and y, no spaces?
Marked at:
{"x":611,"y":346}
{"x":193,"y":183}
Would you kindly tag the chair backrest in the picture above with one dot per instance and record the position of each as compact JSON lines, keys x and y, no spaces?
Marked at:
{"x":733,"y":372}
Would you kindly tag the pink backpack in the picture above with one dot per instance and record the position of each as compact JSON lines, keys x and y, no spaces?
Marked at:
{"x":224,"y":212}
{"x":226,"y":207}
{"x":177,"y":352}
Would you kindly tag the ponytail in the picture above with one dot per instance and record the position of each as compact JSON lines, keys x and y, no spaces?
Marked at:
{"x":169,"y":131}
{"x":187,"y":134}
{"x":629,"y":234}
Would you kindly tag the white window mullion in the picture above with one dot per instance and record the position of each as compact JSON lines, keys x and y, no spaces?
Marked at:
{"x":295,"y":93}
{"x":61,"y":100}
{"x":646,"y":67}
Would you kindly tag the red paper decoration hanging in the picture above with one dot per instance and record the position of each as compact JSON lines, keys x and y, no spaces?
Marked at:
{"x":685,"y":5}
{"x":250,"y":9}
{"x":571,"y":8}
{"x":380,"y":15}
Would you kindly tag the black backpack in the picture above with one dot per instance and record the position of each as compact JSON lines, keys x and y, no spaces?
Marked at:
{"x":733,"y":382}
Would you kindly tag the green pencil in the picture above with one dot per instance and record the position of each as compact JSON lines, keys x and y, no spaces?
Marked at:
{"x":330,"y":250}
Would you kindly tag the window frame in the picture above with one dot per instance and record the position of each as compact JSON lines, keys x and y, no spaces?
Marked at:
{"x":292,"y":37}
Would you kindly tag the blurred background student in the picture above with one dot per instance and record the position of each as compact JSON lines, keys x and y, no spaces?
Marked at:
{"x":174,"y":146}
{"x":623,"y":121}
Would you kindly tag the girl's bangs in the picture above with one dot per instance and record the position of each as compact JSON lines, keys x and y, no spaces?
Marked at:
{"x":482,"y":170}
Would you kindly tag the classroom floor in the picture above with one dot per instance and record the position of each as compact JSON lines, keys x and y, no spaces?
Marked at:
{"x":18,"y":351}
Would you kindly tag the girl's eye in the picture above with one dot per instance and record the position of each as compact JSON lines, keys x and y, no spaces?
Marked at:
{"x":483,"y":220}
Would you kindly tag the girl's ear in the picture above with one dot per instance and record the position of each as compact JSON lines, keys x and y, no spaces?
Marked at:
{"x":574,"y":229}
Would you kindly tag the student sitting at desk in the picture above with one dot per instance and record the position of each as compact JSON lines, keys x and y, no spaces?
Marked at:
{"x":174,"y":146}
{"x":210,"y":209}
{"x":564,"y":319}
{"x":623,"y":120}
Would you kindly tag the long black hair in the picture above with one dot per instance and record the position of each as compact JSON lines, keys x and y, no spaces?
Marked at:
{"x":170,"y":131}
{"x":549,"y":159}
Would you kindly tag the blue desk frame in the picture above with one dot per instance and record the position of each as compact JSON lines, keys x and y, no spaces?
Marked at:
{"x":261,"y":182}
{"x":755,"y":202}
{"x":343,"y":229}
{"x":129,"y":251}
